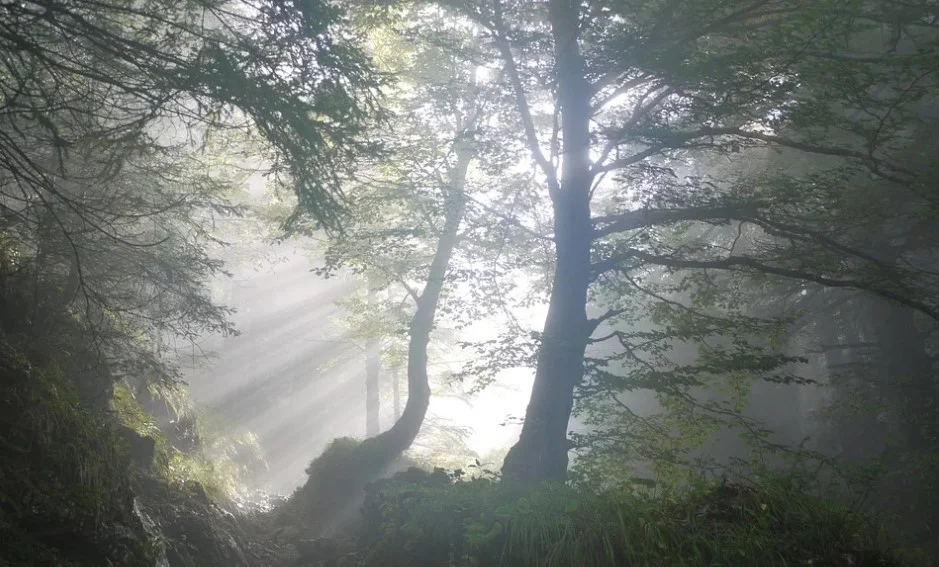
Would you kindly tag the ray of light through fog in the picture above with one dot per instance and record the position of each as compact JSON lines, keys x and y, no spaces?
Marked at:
{"x":292,"y":378}
{"x":295,"y":380}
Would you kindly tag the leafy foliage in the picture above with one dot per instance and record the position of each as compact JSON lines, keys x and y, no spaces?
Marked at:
{"x":126,"y":133}
{"x":284,"y":67}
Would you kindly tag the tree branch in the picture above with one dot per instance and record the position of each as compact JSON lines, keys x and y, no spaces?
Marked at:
{"x":639,"y":111}
{"x":632,"y":220}
{"x":677,"y":141}
{"x":521,"y":101}
{"x":596,"y":322}
{"x":510,"y":220}
{"x":734,"y":262}
{"x":620,"y":90}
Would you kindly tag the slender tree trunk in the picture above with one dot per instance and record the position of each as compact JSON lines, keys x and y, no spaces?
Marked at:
{"x":372,"y":368}
{"x":909,"y":384}
{"x":385,"y":447}
{"x":335,"y":486}
{"x":396,"y":391}
{"x":906,"y":368}
{"x":542,"y":449}
{"x":907,"y":374}
{"x":846,"y":374}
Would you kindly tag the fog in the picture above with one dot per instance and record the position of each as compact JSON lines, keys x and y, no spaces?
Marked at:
{"x":294,"y":378}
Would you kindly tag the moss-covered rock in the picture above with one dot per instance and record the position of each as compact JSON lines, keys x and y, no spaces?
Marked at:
{"x":194,"y":530}
{"x":77,"y":488}
{"x":331,"y":499}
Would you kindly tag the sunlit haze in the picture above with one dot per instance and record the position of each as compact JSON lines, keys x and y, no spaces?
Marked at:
{"x":292,"y":378}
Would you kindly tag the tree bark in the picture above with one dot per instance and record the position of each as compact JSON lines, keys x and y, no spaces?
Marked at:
{"x":541,"y":452}
{"x":337,"y":479}
{"x":909,"y":384}
{"x":907,"y":375}
{"x":845,"y":368}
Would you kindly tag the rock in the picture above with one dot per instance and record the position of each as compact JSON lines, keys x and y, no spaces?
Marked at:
{"x":319,"y":548}
{"x":141,"y":449}
{"x":194,"y":529}
{"x":289,"y":533}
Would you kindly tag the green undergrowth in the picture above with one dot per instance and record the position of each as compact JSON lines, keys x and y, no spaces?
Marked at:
{"x":335,"y":467}
{"x":330,"y":499}
{"x":439,"y":520}
{"x":217,"y":461}
{"x":65,"y":497}
{"x":74,"y":477}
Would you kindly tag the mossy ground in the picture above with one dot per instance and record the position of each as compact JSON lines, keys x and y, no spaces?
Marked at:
{"x":330,"y":500}
{"x":72,"y":489}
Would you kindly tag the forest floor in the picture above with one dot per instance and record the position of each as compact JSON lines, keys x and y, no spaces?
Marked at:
{"x":74,"y":493}
{"x":421,"y":518}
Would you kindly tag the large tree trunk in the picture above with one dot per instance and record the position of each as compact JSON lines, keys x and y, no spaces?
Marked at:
{"x":845,"y":351}
{"x":372,"y":368}
{"x":542,"y":449}
{"x":907,"y":374}
{"x":909,"y":384}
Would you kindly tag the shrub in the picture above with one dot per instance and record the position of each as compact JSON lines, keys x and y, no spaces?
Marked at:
{"x":335,"y":478}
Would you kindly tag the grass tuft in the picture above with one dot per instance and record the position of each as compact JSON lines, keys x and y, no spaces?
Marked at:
{"x":486,"y":522}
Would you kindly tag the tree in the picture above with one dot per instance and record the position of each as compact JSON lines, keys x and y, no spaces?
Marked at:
{"x":699,"y":79}
{"x":372,"y":369}
{"x":404,"y":231}
{"x":118,"y":126}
